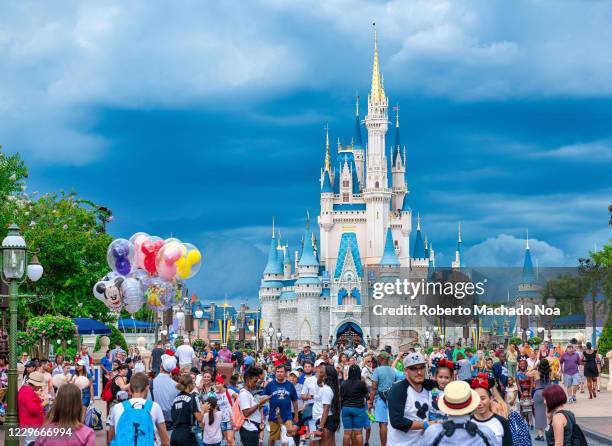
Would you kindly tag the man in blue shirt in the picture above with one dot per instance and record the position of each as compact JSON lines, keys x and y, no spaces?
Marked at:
{"x":284,"y":397}
{"x":500,"y":371}
{"x":107,"y":368}
{"x":248,"y":360}
{"x":382,"y":379}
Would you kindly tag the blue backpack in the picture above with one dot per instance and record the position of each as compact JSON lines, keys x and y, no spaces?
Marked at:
{"x":135,"y":427}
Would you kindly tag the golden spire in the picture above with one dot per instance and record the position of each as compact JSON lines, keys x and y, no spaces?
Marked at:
{"x":377,"y":93}
{"x":327,"y":155}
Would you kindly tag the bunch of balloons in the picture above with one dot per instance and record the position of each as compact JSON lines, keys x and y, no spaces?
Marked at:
{"x":146,"y":268}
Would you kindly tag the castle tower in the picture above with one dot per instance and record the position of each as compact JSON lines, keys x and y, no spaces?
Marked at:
{"x":458,"y":262}
{"x":308,"y":289}
{"x":271,"y":285}
{"x":528,"y":290}
{"x":326,"y":219}
{"x":377,"y":194}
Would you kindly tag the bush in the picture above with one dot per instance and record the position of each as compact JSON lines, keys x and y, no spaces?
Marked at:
{"x":114,"y":336}
{"x":515,"y":340}
{"x":535,"y":341}
{"x":178,"y":341}
{"x":605,"y":340}
{"x":198,"y":344}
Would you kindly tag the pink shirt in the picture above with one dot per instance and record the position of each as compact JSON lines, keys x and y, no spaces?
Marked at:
{"x":83,"y":436}
{"x":225,"y":355}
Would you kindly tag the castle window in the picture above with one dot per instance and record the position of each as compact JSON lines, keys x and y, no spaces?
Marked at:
{"x":345,"y":197}
{"x":377,"y":185}
{"x":345,"y":183}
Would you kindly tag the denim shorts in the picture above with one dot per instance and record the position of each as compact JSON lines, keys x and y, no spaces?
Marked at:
{"x":353,"y":418}
{"x":380,"y":410}
{"x":571,"y":380}
{"x":226,"y":426}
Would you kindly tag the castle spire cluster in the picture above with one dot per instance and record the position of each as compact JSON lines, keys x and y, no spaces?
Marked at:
{"x":365,"y":224}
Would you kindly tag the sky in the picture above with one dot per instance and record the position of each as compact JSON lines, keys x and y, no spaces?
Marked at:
{"x":203,"y":120}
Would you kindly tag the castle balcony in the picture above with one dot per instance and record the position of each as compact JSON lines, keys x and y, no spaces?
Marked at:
{"x":347,"y":310}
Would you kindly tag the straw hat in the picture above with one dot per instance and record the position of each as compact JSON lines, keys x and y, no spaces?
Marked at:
{"x":36,"y":379}
{"x":459,"y":399}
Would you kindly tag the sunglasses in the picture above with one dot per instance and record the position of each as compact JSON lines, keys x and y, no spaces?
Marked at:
{"x":416,"y":368}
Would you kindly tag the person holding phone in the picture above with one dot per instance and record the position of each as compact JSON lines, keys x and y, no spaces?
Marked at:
{"x":251,"y":407}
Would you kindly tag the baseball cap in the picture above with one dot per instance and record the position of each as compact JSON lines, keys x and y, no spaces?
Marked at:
{"x":413,"y":359}
{"x":295,"y":373}
{"x":219,"y":379}
{"x":81,"y":362}
{"x":318,"y":362}
{"x":383,"y":355}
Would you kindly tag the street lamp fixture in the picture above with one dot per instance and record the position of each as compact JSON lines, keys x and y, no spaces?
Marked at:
{"x":271,"y":330}
{"x":180,"y":315}
{"x":198,"y":314}
{"x":14,"y":258}
{"x":251,"y":328}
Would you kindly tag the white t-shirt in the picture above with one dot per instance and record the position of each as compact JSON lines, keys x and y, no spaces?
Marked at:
{"x":156,"y":414}
{"x":324,"y":395}
{"x":185,"y":354}
{"x":246,"y":400}
{"x":495,"y":426}
{"x":310,"y":387}
{"x":224,"y":405}
{"x":414,"y":401}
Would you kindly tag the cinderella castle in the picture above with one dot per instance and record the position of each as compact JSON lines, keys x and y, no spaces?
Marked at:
{"x":322,"y":293}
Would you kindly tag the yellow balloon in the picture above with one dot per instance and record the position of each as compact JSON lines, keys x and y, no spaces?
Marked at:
{"x":184,"y":273}
{"x":181,"y":262}
{"x":194,"y":257}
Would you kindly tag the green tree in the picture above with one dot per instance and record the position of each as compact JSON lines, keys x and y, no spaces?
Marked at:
{"x":70,"y":238}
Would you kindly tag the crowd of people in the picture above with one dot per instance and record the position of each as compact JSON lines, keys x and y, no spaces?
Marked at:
{"x":217,"y":396}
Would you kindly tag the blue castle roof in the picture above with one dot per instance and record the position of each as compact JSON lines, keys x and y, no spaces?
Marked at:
{"x":528,"y":274}
{"x":405,"y":206}
{"x":287,"y":295}
{"x":308,"y":258}
{"x":327,"y":186}
{"x":308,"y":281}
{"x":418,"y":251}
{"x":273,"y":266}
{"x":348,"y":242}
{"x":389,"y":257}
{"x":357,"y":141}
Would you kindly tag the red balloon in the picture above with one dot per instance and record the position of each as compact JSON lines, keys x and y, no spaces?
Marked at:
{"x":149,"y":249}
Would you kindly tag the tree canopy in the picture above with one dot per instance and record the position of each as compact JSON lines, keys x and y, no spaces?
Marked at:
{"x":67,"y":233}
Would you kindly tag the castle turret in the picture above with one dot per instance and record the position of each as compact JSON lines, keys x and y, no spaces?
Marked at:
{"x":398,"y":168}
{"x":287,"y":263}
{"x":326,"y":218}
{"x":271,"y":285}
{"x":377,"y":193}
{"x":458,"y":262}
{"x":358,"y":147}
{"x":308,"y":288}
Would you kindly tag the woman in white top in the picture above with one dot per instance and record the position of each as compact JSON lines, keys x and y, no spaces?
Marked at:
{"x":484,"y":416}
{"x":321,"y":409}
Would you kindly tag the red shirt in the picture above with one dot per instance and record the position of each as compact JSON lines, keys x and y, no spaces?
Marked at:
{"x":29,"y":405}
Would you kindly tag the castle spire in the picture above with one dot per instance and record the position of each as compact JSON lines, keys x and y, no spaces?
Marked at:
{"x":357,"y":141}
{"x":377,"y":92}
{"x":528,"y":274}
{"x":327,"y":154}
{"x":389,"y":257}
{"x":419,"y":248}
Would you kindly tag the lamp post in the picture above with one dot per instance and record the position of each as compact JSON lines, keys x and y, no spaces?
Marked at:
{"x":279,"y":336}
{"x":592,"y":270}
{"x":427,"y":334}
{"x":14,"y":257}
{"x":551,"y":301}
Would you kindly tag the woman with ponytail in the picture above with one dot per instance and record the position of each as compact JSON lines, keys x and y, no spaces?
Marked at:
{"x":542,"y":379}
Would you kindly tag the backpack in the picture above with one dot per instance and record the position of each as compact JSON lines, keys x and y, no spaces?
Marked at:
{"x":449,"y":427}
{"x":135,"y":427}
{"x":578,"y":437}
{"x":107,"y":393}
{"x":236,"y":414}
